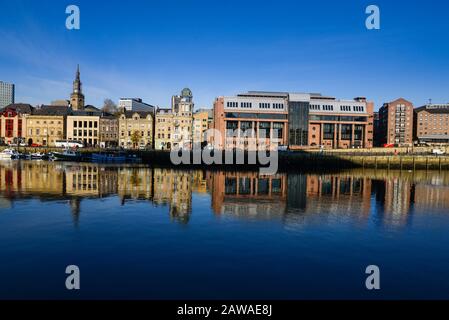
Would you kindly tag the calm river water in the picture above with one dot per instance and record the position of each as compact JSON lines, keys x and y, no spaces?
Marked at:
{"x":146,"y":233}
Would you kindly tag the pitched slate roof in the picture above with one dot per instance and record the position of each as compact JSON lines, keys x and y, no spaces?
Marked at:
{"x":142,"y":114}
{"x":20,"y":108}
{"x":46,"y":110}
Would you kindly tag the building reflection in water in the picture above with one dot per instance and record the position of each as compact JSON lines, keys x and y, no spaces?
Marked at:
{"x":388,"y":196}
{"x":248,"y":194}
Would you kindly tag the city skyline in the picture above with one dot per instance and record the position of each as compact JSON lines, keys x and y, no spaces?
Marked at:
{"x":215,"y":50}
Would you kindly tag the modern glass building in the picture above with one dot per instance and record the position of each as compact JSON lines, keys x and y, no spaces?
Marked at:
{"x":298,"y":119}
{"x":7,"y":94}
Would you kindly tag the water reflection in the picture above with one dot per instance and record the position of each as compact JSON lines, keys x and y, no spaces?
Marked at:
{"x":388,"y":196}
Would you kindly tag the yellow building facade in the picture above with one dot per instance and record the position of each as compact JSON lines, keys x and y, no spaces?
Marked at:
{"x":136,"y":130}
{"x":163,"y":129}
{"x":44,"y":130}
{"x":200,"y":126}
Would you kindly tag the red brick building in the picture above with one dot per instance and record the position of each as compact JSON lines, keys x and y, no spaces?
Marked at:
{"x":13,"y":122}
{"x":396,"y":123}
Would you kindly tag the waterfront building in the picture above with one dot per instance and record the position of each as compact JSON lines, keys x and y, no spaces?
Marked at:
{"x":163,"y":129}
{"x":340,"y":124}
{"x":77,"y":96}
{"x":7,"y":94}
{"x":297,"y":120}
{"x":210,"y":125}
{"x":261,"y":116}
{"x":46,"y":125}
{"x":200,"y":127}
{"x":320,"y":121}
{"x":109,"y":131}
{"x":182,"y":108}
{"x":134,"y":104}
{"x":84,"y":126}
{"x":13,"y":122}
{"x":136,"y":129}
{"x":431,"y":124}
{"x":377,"y":137}
{"x":396,"y":123}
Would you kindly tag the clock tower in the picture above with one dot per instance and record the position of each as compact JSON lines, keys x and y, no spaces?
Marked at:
{"x":77,"y":97}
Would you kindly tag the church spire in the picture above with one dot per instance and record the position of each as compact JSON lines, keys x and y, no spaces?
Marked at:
{"x":78,"y":73}
{"x":77,"y":97}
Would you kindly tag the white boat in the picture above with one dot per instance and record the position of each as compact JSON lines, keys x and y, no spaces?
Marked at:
{"x":9,"y":154}
{"x":38,"y":156}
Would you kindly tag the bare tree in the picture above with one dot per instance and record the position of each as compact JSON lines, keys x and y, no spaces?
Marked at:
{"x":109,"y":106}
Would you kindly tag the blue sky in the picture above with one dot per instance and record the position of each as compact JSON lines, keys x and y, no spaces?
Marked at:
{"x":152,"y":49}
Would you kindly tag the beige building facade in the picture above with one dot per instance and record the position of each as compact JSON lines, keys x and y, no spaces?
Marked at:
{"x":46,"y":125}
{"x":136,"y":130}
{"x":200,"y":127}
{"x":163,"y":129}
{"x":182,"y":108}
{"x":84,"y":128}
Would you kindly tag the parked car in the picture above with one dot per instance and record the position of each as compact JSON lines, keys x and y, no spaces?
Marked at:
{"x":35,"y":145}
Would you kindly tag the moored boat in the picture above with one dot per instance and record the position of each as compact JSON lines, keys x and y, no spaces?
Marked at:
{"x":9,"y":154}
{"x":66,"y":155}
{"x":109,"y":157}
{"x":38,"y":156}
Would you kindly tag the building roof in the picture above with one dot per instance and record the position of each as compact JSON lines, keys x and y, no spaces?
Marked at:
{"x":46,"y":110}
{"x":402,"y":100}
{"x":210,"y":112}
{"x":434,"y":137}
{"x":434,"y":108}
{"x":264,"y":94}
{"x":186,"y":92}
{"x":19,"y":108}
{"x":142,"y":114}
{"x":90,"y":107}
{"x":89,"y":110}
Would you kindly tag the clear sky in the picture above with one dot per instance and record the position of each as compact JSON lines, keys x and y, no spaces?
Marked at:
{"x":153,"y":49}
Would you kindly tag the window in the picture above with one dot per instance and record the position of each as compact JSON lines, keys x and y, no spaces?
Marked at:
{"x":231,"y":126}
{"x":328,"y":131}
{"x":264,"y":129}
{"x":278,"y":130}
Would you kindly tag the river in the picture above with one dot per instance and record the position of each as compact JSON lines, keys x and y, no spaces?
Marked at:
{"x":146,"y":233}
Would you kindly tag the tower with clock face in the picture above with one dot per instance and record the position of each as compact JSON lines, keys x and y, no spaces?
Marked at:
{"x":77,"y":97}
